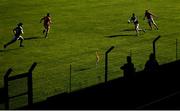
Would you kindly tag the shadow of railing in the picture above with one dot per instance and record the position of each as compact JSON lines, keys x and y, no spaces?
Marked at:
{"x":121,"y":93}
{"x":5,"y":92}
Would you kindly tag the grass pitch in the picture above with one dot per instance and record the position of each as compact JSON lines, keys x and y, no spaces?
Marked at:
{"x":79,"y":28}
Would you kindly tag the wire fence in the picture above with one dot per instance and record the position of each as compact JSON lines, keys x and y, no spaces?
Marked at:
{"x":15,"y":88}
{"x":86,"y":70}
{"x":86,"y":73}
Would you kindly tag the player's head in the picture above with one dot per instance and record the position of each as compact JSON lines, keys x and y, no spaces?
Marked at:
{"x":146,"y":10}
{"x":129,"y":59}
{"x":48,"y":14}
{"x":20,"y":24}
{"x":133,"y":14}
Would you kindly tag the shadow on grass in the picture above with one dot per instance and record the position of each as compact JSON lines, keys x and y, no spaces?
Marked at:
{"x":103,"y":96}
{"x":112,"y":36}
{"x":6,"y":50}
{"x":82,"y":69}
{"x":31,"y":38}
{"x":128,"y":30}
{"x":121,"y":35}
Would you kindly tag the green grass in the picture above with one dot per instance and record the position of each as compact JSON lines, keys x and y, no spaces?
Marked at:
{"x":79,"y":28}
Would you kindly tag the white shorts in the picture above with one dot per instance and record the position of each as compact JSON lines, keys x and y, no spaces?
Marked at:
{"x":18,"y":38}
{"x":151,"y":21}
{"x":136,"y":26}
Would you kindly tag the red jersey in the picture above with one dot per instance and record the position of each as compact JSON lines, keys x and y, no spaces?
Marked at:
{"x":148,"y":15}
{"x":47,"y":20}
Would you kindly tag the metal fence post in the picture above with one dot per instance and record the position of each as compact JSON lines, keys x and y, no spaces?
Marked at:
{"x":176,"y":49}
{"x":154,"y":45}
{"x":106,"y":63}
{"x":70,"y":78}
{"x":30,"y":84}
{"x":6,"y":88}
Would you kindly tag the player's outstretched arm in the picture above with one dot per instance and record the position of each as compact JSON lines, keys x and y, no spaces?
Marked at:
{"x":41,"y":19}
{"x":22,"y":32}
{"x":154,"y":15}
{"x":144,"y":16}
{"x":14,"y":30}
{"x":50,"y":21}
{"x":129,"y":20}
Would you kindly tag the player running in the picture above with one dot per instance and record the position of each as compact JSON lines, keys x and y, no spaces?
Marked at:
{"x":149,"y":17}
{"x":18,"y":31}
{"x":134,"y":19}
{"x":47,"y":22}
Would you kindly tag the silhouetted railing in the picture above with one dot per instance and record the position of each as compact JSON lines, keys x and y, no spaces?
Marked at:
{"x":106,"y":63}
{"x":27,"y":75}
{"x":176,"y":49}
{"x":154,"y":45}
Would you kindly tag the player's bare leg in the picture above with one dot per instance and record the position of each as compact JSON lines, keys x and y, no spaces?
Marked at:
{"x":44,"y":28}
{"x":46,"y":34}
{"x":44,"y":31}
{"x":155,"y":25}
{"x":137,"y":29}
{"x":47,"y":31}
{"x":12,"y":41}
{"x":137,"y":32}
{"x":150,"y":25}
{"x":21,"y":41}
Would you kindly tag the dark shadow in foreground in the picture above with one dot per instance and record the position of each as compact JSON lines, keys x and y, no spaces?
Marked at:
{"x":159,"y":90}
{"x":2,"y":95}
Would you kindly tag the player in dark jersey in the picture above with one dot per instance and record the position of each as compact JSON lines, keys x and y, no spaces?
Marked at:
{"x":134,"y":20}
{"x":149,"y":17}
{"x":18,"y":31}
{"x":46,"y":22}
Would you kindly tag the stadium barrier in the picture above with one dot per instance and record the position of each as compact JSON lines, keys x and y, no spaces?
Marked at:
{"x":7,"y":79}
{"x":85,"y":71}
{"x":176,"y":49}
{"x":106,"y":63}
{"x":154,"y":45}
{"x":80,"y":69}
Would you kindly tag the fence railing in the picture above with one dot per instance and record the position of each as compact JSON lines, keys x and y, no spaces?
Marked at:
{"x":7,"y":79}
{"x":106,"y":63}
{"x":111,"y":64}
{"x":82,"y":72}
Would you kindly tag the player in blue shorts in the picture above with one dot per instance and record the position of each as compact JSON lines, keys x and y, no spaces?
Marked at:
{"x":134,"y":20}
{"x":18,"y":31}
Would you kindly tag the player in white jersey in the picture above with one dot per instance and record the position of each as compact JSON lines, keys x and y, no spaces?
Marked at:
{"x":18,"y":31}
{"x":134,"y":20}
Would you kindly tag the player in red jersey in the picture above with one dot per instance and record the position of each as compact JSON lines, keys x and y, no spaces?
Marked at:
{"x":149,"y":17}
{"x":47,"y":22}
